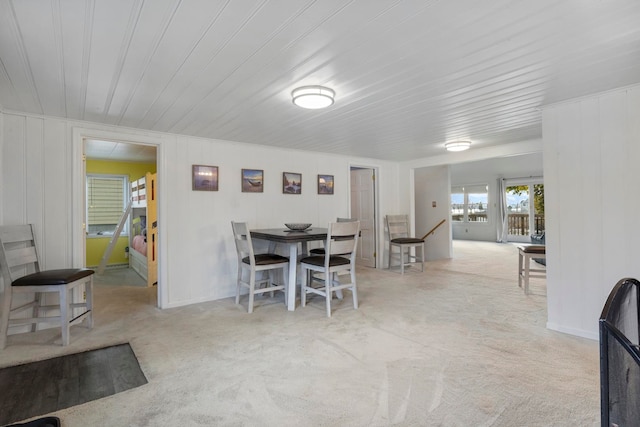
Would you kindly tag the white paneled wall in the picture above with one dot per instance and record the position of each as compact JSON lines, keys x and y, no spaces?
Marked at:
{"x":38,"y":184}
{"x":591,"y":156}
{"x":432,"y":185}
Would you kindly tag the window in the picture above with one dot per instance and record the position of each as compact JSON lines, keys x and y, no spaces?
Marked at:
{"x":470,"y":203}
{"x":457,"y":204}
{"x":106,"y":202}
{"x":525,"y":206}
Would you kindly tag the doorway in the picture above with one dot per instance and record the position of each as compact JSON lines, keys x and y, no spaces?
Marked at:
{"x":525,"y":209}
{"x":113,"y":169}
{"x":363,"y":207}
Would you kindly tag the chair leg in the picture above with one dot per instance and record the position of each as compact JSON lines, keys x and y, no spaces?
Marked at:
{"x":401,"y":259}
{"x":271,"y":282}
{"x":252,"y":289}
{"x":328,"y":284}
{"x":64,"y":314}
{"x":390,"y":249}
{"x":354,"y":291}
{"x":4,"y":320}
{"x":336,"y":280}
{"x":520,"y":256}
{"x":285,"y":281}
{"x":88,"y":290}
{"x":238,"y":285}
{"x":527,"y":266}
{"x":303,"y":286}
{"x":422,"y":256}
{"x":37,"y":302}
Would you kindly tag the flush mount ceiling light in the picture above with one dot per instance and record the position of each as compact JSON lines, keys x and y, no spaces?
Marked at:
{"x":313,"y":97}
{"x":457,"y":145}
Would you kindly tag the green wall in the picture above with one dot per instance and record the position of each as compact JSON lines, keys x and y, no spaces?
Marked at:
{"x":96,"y":246}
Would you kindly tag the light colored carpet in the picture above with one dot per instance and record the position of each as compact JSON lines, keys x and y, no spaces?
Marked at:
{"x":119,"y":277}
{"x":457,"y":345}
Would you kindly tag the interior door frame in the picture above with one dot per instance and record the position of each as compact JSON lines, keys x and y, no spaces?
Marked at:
{"x":376,"y":211}
{"x":78,"y":196}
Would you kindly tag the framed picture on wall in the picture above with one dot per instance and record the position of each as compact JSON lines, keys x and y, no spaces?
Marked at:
{"x":204,"y":178}
{"x":252,"y":180}
{"x":291,"y":183}
{"x":325,"y":184}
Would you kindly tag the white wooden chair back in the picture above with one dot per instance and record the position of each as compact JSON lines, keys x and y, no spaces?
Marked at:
{"x":17,"y":249}
{"x":244,"y":245}
{"x":342,"y":239}
{"x":397,"y":226}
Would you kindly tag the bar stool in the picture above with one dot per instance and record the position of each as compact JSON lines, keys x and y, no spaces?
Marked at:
{"x":525,"y":272}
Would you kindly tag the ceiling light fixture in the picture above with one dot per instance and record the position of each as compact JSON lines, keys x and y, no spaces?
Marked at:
{"x":313,"y":97}
{"x":457,"y":145}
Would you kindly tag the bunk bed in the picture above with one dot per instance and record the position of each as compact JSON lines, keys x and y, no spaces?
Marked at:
{"x":144,"y":229}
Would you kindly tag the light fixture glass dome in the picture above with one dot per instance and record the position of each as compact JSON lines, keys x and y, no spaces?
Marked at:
{"x":457,"y":145}
{"x":313,"y":97}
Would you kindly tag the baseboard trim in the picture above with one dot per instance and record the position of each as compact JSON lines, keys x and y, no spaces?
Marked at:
{"x":573,"y":331}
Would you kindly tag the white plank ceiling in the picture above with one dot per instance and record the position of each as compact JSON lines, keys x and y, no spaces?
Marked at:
{"x":409,"y":75}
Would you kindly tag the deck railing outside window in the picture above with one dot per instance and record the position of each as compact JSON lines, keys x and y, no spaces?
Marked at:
{"x":518,"y":223}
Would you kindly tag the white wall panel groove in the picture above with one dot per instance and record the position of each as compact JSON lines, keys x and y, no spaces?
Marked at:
{"x":590,"y":155}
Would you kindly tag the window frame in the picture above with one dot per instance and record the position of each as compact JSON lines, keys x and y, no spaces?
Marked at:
{"x":125,"y":199}
{"x":466,"y":190}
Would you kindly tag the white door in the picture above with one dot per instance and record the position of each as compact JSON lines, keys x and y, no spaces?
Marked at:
{"x":363,"y":208}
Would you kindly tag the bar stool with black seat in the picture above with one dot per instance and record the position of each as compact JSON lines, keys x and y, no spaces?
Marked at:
{"x":320,"y":251}
{"x":254,"y":263}
{"x":21,"y":272}
{"x":340,"y":256}
{"x":398,"y":229}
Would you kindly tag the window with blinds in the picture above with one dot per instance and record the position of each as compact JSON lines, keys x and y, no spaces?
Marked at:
{"x":106,"y":202}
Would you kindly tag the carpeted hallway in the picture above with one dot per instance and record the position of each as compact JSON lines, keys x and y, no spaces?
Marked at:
{"x":457,"y":345}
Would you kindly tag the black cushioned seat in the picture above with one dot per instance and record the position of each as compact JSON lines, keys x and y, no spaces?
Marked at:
{"x":53,"y":277}
{"x":404,"y":240}
{"x":266,"y":259}
{"x":319,"y":260}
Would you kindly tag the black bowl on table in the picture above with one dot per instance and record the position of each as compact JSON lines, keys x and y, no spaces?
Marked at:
{"x":297,"y":226}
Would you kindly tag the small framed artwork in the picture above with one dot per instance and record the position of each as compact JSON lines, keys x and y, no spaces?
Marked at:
{"x":204,"y":178}
{"x":291,"y":183}
{"x":325,"y":184}
{"x":252,"y":180}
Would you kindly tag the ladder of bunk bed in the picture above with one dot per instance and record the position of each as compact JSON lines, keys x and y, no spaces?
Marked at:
{"x":114,"y":239}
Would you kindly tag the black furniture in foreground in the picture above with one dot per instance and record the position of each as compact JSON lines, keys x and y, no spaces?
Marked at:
{"x":620,"y":355}
{"x":40,"y":422}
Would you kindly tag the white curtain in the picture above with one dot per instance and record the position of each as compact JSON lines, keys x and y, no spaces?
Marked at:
{"x":503,"y":214}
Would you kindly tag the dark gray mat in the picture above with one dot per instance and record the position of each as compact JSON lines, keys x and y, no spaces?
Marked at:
{"x":38,"y":388}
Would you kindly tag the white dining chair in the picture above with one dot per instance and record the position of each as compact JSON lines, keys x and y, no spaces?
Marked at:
{"x":340,"y":256}
{"x":320,"y":251}
{"x":253,"y":264}
{"x":21,"y":272}
{"x":398,"y":229}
